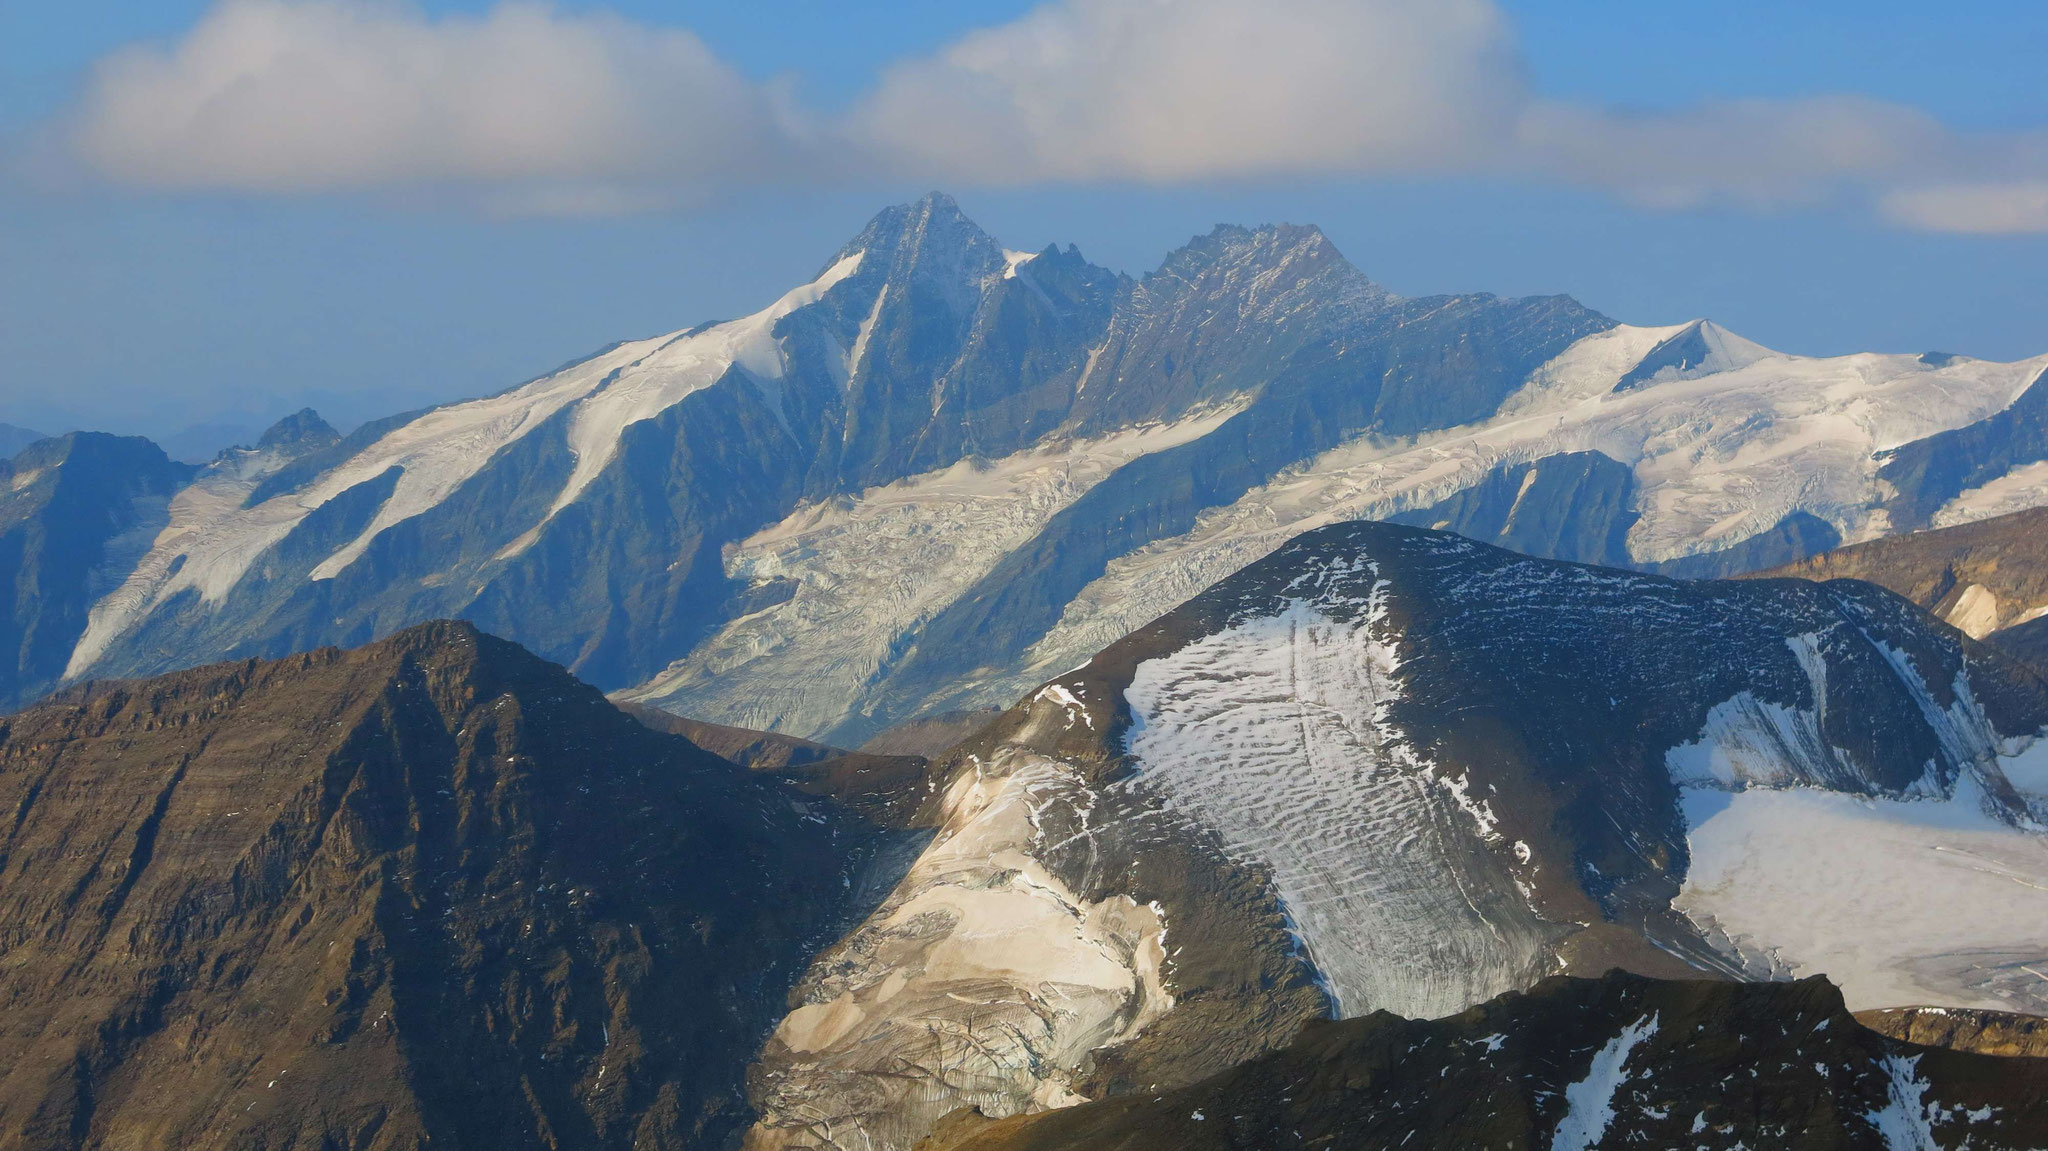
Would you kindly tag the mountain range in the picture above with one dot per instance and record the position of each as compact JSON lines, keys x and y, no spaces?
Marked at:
{"x":941,"y":471}
{"x":986,"y":701}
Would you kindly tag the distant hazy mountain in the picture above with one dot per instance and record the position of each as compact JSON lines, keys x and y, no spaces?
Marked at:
{"x":1390,"y":769}
{"x":942,"y":471}
{"x":13,"y":439}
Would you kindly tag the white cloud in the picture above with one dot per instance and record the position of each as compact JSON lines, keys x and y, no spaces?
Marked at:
{"x":537,"y":111}
{"x":1754,"y":152}
{"x":312,"y":95}
{"x":1167,"y":90}
{"x":1981,"y":209}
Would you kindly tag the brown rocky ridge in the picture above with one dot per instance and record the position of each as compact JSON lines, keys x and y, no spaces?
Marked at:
{"x":1983,"y":577}
{"x":1963,"y":1028}
{"x":432,"y":892}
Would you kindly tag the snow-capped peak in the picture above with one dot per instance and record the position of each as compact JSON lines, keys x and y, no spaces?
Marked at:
{"x":1700,"y":348}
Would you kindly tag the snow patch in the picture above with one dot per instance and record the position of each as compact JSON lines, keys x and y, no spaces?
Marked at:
{"x":1075,"y":709}
{"x":1904,"y":1123}
{"x":2015,"y":491}
{"x":1589,"y":1103}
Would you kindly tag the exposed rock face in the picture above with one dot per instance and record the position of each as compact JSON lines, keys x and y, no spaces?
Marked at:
{"x":433,"y":892}
{"x":1981,"y":577}
{"x":1963,"y":1028}
{"x":1390,"y":769}
{"x":1575,"y":1064}
{"x":300,"y":433}
{"x":76,"y":512}
{"x":932,"y":736}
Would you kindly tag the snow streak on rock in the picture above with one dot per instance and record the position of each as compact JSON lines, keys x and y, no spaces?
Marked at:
{"x":1274,"y":733}
{"x":1903,"y":1123}
{"x":1589,"y":1103}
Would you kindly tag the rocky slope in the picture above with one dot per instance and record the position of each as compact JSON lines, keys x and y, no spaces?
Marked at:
{"x":1387,"y":768}
{"x":1576,"y":1064}
{"x":1982,"y":577}
{"x":2027,"y":641}
{"x":431,"y":892}
{"x":942,"y":471}
{"x":1963,"y":1028}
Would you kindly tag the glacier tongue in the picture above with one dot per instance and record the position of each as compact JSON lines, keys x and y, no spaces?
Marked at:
{"x":984,"y":981}
{"x":870,"y":569}
{"x":1274,"y":734}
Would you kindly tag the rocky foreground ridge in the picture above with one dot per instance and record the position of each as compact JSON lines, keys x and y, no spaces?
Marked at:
{"x":432,"y":892}
{"x":1574,"y":1064}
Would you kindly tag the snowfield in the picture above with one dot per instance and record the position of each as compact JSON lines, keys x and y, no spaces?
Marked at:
{"x":1901,"y":902}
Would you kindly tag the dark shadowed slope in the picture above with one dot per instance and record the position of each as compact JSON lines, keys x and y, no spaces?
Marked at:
{"x":1575,"y":1064}
{"x":76,"y":512}
{"x":432,"y":892}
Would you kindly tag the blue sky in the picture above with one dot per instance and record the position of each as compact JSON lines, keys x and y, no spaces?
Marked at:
{"x":209,"y":281}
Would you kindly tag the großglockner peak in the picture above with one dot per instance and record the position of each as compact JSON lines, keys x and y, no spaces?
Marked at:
{"x":940,"y":471}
